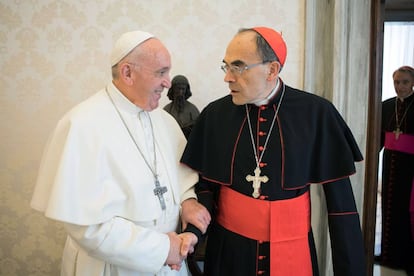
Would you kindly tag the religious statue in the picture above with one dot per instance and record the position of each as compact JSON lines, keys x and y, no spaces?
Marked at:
{"x":180,"y":108}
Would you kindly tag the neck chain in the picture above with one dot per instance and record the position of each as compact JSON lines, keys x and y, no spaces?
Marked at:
{"x":256,"y":178}
{"x":159,"y":190}
{"x":398,"y":123}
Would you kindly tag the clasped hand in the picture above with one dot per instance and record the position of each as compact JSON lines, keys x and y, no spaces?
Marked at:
{"x":183,"y":244}
{"x":180,"y":246}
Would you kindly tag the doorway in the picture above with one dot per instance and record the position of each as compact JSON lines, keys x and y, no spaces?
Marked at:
{"x":382,"y":12}
{"x":398,"y":50}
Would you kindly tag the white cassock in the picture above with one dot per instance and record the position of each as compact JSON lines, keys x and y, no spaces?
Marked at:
{"x":93,"y":178}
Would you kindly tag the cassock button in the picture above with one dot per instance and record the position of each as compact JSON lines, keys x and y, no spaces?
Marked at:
{"x":261,"y":148}
{"x":261,"y":119}
{"x":263,"y":107}
{"x":262,"y":197}
{"x":262,"y":164}
{"x":262,"y":133}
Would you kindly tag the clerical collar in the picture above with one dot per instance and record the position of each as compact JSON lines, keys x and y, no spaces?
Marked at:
{"x":267,"y":99}
{"x":402,"y":99}
{"x":122,"y":101}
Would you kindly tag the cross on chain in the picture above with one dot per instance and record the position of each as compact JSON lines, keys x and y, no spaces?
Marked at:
{"x":159,"y":191}
{"x":397,"y":133}
{"x":257,"y":180}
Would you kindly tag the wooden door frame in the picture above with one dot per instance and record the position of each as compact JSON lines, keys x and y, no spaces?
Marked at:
{"x":373,"y":130}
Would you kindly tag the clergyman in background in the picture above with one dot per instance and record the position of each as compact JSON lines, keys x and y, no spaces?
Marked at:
{"x":397,"y":188}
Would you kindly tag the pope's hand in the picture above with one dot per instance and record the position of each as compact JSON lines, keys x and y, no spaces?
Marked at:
{"x":174,"y":257}
{"x":188,"y":241}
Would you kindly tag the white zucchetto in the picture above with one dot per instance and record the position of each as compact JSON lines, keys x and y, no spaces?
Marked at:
{"x":126,"y":43}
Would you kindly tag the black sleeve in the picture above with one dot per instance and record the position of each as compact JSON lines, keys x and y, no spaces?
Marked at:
{"x":345,"y":230}
{"x":206,"y":192}
{"x":192,"y":229}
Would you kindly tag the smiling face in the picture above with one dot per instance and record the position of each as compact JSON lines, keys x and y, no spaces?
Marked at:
{"x":145,"y":73}
{"x":252,"y":84}
{"x":403,"y":84}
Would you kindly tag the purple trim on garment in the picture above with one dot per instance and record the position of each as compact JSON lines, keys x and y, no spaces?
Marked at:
{"x":404,"y":143}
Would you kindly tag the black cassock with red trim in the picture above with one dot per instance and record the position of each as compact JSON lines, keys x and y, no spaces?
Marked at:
{"x":309,"y":143}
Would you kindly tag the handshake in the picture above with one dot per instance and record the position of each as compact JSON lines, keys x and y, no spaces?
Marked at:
{"x":183,"y":244}
{"x":180,"y":246}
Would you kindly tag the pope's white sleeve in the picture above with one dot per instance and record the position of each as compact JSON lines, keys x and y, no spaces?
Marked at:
{"x":123,"y":243}
{"x":190,"y":193}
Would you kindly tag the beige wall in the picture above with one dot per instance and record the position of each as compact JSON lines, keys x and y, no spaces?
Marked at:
{"x":54,"y":54}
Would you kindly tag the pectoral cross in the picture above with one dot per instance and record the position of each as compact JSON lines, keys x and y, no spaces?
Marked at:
{"x":397,"y":133}
{"x":159,"y":191}
{"x":257,"y":180}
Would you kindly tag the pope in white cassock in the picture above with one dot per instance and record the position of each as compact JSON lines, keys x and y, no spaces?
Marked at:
{"x":111,"y":173}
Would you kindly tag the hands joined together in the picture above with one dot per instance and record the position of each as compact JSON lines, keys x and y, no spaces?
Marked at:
{"x":180,"y":246}
{"x":183,"y":244}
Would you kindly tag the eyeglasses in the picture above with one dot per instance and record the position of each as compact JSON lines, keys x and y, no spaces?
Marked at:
{"x":237,"y":69}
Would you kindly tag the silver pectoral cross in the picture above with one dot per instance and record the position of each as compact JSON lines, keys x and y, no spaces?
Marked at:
{"x":397,"y":133}
{"x":257,"y":180}
{"x":159,"y":191}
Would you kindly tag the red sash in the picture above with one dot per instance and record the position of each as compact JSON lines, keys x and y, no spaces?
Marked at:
{"x":404,"y":143}
{"x":285,"y":223}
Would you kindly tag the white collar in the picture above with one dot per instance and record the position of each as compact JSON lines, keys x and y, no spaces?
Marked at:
{"x":121,"y":101}
{"x":267,"y":99}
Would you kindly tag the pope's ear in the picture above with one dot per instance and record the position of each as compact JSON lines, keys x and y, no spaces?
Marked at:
{"x":125,"y":71}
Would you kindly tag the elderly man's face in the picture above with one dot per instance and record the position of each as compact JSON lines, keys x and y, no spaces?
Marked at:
{"x":151,"y":75}
{"x":403,"y":84}
{"x":250,"y":85}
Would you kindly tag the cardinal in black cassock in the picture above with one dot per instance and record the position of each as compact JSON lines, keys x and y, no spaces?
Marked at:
{"x":257,"y":157}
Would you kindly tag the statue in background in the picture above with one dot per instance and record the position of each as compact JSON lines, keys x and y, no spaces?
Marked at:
{"x":180,"y":108}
